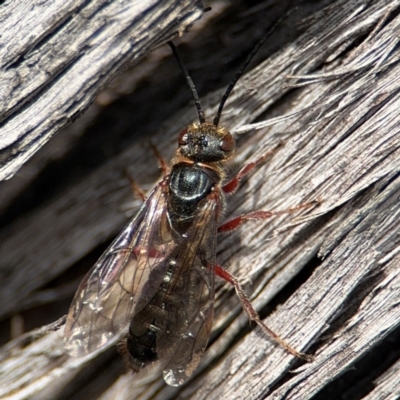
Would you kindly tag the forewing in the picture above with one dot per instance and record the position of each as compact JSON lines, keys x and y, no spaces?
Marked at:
{"x":117,"y":286}
{"x":184,"y":341}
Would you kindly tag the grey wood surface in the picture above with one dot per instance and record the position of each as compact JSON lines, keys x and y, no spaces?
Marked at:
{"x":56,"y":55}
{"x":327,"y":279}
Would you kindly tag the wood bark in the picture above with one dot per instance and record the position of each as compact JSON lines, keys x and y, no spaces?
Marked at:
{"x":326,"y":278}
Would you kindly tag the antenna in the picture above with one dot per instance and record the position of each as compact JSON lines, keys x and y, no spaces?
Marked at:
{"x":245,"y":64}
{"x":189,"y":81}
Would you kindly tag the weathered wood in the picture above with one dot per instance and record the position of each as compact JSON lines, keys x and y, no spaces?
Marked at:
{"x":342,"y":148}
{"x":56,"y":55}
{"x":387,"y":386}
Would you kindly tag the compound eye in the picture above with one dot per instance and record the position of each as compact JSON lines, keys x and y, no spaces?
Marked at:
{"x":228,"y":143}
{"x":183,"y":137}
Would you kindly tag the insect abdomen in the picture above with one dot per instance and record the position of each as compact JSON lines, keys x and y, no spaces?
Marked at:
{"x":141,"y":348}
{"x":152,"y":321}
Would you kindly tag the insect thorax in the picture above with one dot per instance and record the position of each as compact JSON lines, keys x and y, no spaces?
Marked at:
{"x":188,"y":185}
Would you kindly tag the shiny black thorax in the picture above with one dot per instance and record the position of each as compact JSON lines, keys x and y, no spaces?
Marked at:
{"x":188,"y":185}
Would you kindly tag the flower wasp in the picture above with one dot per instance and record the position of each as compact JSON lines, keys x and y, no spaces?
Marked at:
{"x":157,"y":277}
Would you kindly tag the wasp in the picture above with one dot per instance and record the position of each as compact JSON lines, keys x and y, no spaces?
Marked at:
{"x":157,"y":277}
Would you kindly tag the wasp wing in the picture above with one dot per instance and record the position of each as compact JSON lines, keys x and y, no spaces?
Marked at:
{"x":117,"y":286}
{"x":183,"y":341}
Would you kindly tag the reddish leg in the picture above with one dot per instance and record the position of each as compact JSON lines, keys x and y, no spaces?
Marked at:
{"x":236,"y":222}
{"x":147,"y":253}
{"x":253,"y":315}
{"x":232,"y":185}
{"x":136,"y":189}
{"x":161,"y":162}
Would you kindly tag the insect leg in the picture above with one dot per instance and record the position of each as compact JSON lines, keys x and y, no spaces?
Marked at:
{"x":232,"y":185}
{"x":136,"y":189}
{"x":161,"y":162}
{"x":236,"y":222}
{"x":138,"y":192}
{"x":253,"y":315}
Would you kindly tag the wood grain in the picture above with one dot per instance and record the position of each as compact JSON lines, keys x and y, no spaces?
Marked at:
{"x":330,"y":273}
{"x":55,"y":56}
